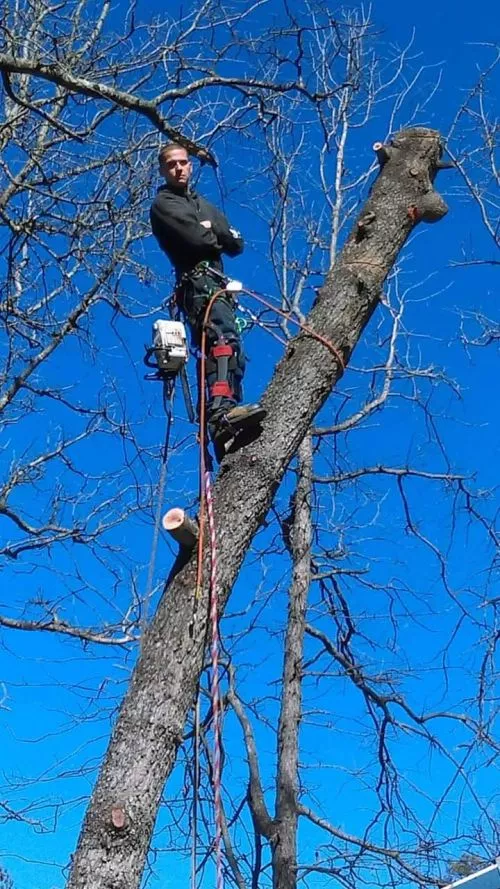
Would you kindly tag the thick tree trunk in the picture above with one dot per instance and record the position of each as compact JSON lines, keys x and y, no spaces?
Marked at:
{"x":284,"y":843}
{"x":119,"y":822}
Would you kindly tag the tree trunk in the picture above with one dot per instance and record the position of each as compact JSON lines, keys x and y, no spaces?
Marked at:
{"x":284,"y":859}
{"x":117,"y":830}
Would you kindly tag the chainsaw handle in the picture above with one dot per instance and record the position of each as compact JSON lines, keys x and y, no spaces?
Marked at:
{"x":147,"y":357}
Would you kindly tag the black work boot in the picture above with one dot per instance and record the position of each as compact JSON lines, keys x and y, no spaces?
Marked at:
{"x":231,"y":429}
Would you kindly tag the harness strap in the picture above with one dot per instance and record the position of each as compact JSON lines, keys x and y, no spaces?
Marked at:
{"x":221,"y":361}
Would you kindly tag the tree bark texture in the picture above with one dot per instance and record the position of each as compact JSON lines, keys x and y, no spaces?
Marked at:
{"x":117,"y":829}
{"x":284,"y":842}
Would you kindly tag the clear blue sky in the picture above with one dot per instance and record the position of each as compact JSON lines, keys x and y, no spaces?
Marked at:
{"x":54,"y":688}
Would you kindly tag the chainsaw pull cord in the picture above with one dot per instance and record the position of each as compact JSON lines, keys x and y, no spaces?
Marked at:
{"x":205,"y":496}
{"x":168,"y":404}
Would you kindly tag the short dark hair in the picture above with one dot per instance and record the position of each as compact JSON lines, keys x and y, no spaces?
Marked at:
{"x":166,"y":149}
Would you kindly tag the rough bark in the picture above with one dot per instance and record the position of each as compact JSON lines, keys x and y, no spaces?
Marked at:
{"x":284,"y":847}
{"x":119,"y":822}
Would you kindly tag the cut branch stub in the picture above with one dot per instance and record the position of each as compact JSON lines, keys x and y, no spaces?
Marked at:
{"x":362,"y":225}
{"x":181,"y":527}
{"x":119,"y":818}
{"x":382,"y":151}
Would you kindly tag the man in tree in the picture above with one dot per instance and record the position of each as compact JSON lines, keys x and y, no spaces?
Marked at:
{"x":194,"y":234}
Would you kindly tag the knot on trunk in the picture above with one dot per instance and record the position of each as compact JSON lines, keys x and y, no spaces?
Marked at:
{"x":363,"y":224}
{"x":430,"y":207}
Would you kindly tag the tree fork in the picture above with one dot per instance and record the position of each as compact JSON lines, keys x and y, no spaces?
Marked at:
{"x":112,"y":847}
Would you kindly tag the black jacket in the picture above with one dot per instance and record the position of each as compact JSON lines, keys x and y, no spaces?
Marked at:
{"x":176,"y":218}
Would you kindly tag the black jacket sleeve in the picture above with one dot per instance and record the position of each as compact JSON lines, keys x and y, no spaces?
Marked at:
{"x":175,"y":224}
{"x":229,"y":239}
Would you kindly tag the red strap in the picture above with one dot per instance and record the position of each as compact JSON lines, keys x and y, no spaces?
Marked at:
{"x":223,"y":350}
{"x":221,"y":387}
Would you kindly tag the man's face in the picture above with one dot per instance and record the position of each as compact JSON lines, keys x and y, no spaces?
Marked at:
{"x":176,"y":167}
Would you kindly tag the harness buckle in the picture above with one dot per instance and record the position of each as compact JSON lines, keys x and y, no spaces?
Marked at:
{"x":222,"y":350}
{"x":221,"y":388}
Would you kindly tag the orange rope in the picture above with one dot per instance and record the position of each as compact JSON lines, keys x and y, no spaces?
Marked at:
{"x":202,"y":383}
{"x":317,"y":336}
{"x":202,"y":435}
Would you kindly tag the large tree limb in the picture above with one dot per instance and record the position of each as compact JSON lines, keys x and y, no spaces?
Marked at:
{"x":62,"y":77}
{"x":285,"y":847}
{"x":120,"y":819}
{"x":256,"y":799}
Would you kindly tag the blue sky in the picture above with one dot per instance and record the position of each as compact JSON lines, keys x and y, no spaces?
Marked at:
{"x":62,"y":696}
